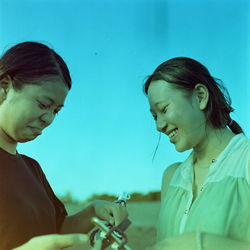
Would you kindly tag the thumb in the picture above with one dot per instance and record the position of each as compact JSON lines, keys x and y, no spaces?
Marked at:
{"x":98,"y":245}
{"x":69,"y":240}
{"x":109,"y":218}
{"x":112,"y":220}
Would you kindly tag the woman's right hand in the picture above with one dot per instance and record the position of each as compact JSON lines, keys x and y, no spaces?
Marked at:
{"x":57,"y":242}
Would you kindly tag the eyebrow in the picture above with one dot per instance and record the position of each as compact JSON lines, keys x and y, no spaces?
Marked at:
{"x":157,"y":103}
{"x":52,"y":101}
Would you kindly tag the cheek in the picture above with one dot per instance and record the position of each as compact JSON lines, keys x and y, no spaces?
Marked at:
{"x":189,"y":122}
{"x":175,"y":118}
{"x":24,"y":110}
{"x":185,"y":117}
{"x":193,"y":129}
{"x":27,"y":115}
{"x":190,"y":115}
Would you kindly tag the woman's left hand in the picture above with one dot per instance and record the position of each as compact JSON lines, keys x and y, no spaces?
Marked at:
{"x":112,"y":212}
{"x":59,"y":241}
{"x":185,"y":241}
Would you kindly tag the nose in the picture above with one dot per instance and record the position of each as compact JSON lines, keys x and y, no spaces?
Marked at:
{"x":47,"y":118}
{"x":161,"y":125}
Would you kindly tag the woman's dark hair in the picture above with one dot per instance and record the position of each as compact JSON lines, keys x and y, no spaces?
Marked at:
{"x":184,"y":73}
{"x":29,"y":62}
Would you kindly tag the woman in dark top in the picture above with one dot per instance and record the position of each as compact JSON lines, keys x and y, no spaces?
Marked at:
{"x":34,"y":82}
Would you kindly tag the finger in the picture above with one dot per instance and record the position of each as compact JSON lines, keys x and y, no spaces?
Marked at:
{"x":120,"y":213}
{"x":106,"y":213}
{"x":108,"y":216}
{"x":69,"y":240}
{"x":98,"y":245}
{"x":112,"y":220}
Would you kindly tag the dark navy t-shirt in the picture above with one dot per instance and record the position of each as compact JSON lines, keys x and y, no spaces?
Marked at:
{"x":28,"y":205}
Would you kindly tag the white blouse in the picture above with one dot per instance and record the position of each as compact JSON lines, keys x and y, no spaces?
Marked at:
{"x":223,"y":205}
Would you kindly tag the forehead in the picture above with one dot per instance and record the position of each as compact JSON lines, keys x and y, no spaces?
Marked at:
{"x":55,"y":90}
{"x":161,"y":91}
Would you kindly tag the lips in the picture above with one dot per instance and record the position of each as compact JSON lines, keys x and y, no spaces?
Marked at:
{"x":173,"y":133}
{"x":36,"y":130}
{"x":170,"y":131}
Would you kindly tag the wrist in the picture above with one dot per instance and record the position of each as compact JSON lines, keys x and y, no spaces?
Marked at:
{"x":91,"y":209}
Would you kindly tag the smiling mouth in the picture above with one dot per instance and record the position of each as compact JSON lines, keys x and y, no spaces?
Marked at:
{"x":173,"y":134}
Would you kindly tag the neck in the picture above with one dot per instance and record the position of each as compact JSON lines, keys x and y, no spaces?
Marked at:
{"x":7,"y":143}
{"x":211,"y":145}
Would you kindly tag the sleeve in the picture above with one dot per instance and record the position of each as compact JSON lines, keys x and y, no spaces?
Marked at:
{"x":61,"y":212}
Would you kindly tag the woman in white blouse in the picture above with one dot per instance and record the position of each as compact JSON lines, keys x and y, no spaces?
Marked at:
{"x":205,"y":200}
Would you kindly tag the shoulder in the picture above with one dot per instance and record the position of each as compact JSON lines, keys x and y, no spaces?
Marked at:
{"x":249,"y":169}
{"x":167,"y":176}
{"x":33,"y":164}
{"x":247,"y":153}
{"x":169,"y":171}
{"x":29,"y":160}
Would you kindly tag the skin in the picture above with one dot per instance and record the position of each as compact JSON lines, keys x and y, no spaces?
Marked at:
{"x":24,"y":114}
{"x":57,"y":242}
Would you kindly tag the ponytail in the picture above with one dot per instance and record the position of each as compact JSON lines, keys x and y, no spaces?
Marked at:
{"x":235,"y":127}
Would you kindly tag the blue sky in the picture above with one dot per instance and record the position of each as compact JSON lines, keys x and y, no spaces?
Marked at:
{"x":104,"y":138}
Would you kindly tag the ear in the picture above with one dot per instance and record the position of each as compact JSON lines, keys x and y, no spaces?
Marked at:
{"x":5,"y":84}
{"x":202,"y":94}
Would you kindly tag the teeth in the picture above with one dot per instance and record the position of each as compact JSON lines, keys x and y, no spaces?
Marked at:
{"x":173,"y":133}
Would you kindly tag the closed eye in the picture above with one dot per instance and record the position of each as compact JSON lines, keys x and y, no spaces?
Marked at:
{"x":164,"y":110}
{"x":42,"y":106}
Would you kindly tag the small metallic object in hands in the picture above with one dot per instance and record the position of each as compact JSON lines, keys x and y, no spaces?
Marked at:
{"x":111,"y":235}
{"x":111,"y":230}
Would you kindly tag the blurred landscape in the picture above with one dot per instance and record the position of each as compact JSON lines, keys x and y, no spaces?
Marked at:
{"x":143,"y":214}
{"x":67,"y":198}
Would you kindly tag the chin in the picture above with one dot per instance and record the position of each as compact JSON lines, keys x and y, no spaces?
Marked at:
{"x":24,"y":140}
{"x":181,"y":148}
{"x":27,"y":139}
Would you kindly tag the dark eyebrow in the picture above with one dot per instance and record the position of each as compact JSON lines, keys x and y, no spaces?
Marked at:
{"x":52,"y":101}
{"x":157,"y":103}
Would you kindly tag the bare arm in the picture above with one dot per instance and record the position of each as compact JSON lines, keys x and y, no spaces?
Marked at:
{"x":54,"y":242}
{"x":189,"y":241}
{"x":216,"y":242}
{"x":112,"y":212}
{"x":249,"y":169}
{"x":80,"y":222}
